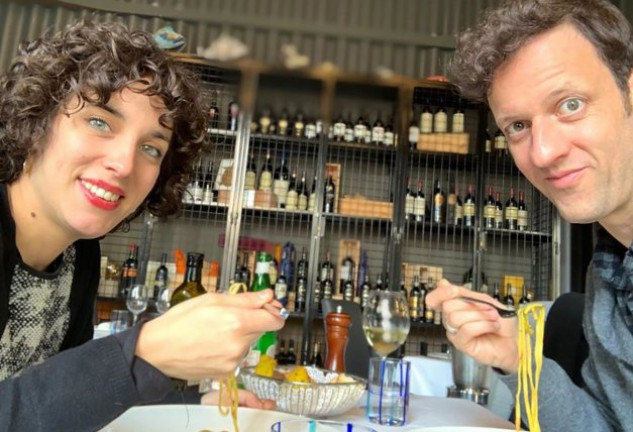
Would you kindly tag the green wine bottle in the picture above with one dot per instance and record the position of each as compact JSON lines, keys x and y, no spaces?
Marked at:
{"x":192,"y":285}
{"x":267,"y":342}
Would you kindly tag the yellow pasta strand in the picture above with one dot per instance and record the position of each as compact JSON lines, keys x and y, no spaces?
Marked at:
{"x":528,"y":376}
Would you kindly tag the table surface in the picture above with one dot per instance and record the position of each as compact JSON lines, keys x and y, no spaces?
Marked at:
{"x":427,"y":411}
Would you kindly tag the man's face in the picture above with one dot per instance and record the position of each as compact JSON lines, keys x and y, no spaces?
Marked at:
{"x":99,"y":163}
{"x":567,"y":127}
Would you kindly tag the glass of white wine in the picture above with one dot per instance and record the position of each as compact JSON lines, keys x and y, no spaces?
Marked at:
{"x":137,"y":299}
{"x":386,"y":321}
{"x":386,"y":326}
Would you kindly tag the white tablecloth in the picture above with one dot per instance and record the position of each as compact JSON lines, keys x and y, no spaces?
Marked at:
{"x":432,"y":376}
{"x":425,"y":411}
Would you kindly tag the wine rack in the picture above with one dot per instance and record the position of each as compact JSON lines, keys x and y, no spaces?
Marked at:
{"x":319,"y":113}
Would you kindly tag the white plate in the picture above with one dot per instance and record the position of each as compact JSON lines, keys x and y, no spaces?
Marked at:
{"x":193,"y":418}
{"x":459,"y":429}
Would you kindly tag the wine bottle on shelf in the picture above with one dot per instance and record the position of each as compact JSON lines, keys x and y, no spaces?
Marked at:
{"x":429,"y":314}
{"x":348,"y":289}
{"x":422,"y":303}
{"x":379,"y":284}
{"x":300,"y":299}
{"x":498,"y":211}
{"x":349,"y":131}
{"x":378,"y":132}
{"x":316,"y":360}
{"x":282,"y":353}
{"x":362,"y":270}
{"x":459,"y":209}
{"x":511,"y":212}
{"x":281,"y":288}
{"x":490,"y":207}
{"x":388,"y":139}
{"x":470,"y":208}
{"x":408,"y":202}
{"x":509,"y":297}
{"x":312,"y":197}
{"x":365,"y":289}
{"x":283,"y":124}
{"x":414,"y":300}
{"x":328,"y":288}
{"x":298,"y":128}
{"x":266,"y":175}
{"x":318,"y":129}
{"x":467,"y":280}
{"x":302,"y":193}
{"x":129,"y":271}
{"x":287,"y":263}
{"x":233,"y":112}
{"x":360,"y":129}
{"x":487,"y":142}
{"x":251,"y":173}
{"x":327,"y":268}
{"x":526,"y":297}
{"x":338,"y":129}
{"x":161,"y":278}
{"x":281,"y":181}
{"x":265,"y":121}
{"x":414,"y":133}
{"x":214,"y":112}
{"x":403,"y":289}
{"x":426,"y":119}
{"x":192,"y":284}
{"x":419,"y":203}
{"x":291,"y":358}
{"x":267,"y":342}
{"x":495,"y":292}
{"x":330,"y":195}
{"x":522,"y":213}
{"x":208,"y":193}
{"x":302,"y":265}
{"x":318,"y":295}
{"x":458,"y":120}
{"x":292,"y":199}
{"x":440,"y":119}
{"x":451,"y":202}
{"x":348,"y":268}
{"x":311,"y":128}
{"x":237,"y":276}
{"x":439,"y":203}
{"x":500,"y":144}
{"x":368,"y":135}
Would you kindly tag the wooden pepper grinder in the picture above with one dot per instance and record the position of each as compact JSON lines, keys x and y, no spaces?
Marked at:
{"x":337,"y":329}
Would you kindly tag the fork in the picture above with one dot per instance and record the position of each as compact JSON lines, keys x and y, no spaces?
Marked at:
{"x":503,"y":313}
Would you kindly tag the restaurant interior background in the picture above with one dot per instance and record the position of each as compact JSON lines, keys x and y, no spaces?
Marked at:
{"x":365,"y":58}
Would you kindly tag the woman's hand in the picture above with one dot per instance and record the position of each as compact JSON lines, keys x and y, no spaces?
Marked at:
{"x":476,"y":329}
{"x":244,"y":398}
{"x":207,"y":336}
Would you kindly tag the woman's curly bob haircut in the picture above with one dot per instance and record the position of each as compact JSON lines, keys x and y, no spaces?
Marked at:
{"x":503,"y":31}
{"x":90,"y":61}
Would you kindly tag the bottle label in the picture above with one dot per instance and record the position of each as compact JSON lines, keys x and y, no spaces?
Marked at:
{"x":281,"y":291}
{"x":262,"y":267}
{"x":512,"y":213}
{"x":426,"y":123}
{"x":359,"y":132}
{"x":283,"y":127}
{"x":498,"y":217}
{"x":459,"y":213}
{"x":349,"y":135}
{"x":266,"y":181}
{"x":458,"y":123}
{"x":339,"y":130}
{"x":281,"y":190}
{"x":488,"y":146}
{"x":264,"y":124}
{"x":311,"y":131}
{"x":346,"y":272}
{"x":311,"y":202}
{"x":378,"y":134}
{"x":489,"y":211}
{"x":522,"y":218}
{"x":440,"y":122}
{"x":409,"y":204}
{"x":500,"y":142}
{"x":469,"y":209}
{"x":419,"y":206}
{"x":302,"y":203}
{"x":249,"y":180}
{"x":414,"y":134}
{"x":291,"y":200}
{"x":413,"y":306}
{"x":388,"y":139}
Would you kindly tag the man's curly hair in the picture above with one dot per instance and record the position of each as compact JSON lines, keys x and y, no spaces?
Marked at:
{"x":503,"y":31}
{"x":91,"y":61}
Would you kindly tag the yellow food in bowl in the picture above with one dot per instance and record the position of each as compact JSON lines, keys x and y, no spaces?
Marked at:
{"x":298,"y":374}
{"x":266,"y":366}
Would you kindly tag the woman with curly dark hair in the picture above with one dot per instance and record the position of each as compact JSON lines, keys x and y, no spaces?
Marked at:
{"x":97,"y":124}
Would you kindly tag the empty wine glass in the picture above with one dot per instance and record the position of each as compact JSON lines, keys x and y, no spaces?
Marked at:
{"x":386,"y":321}
{"x":137,"y":299}
{"x":162,"y":300}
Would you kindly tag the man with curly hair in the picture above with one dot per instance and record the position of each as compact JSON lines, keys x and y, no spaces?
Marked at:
{"x":97,"y":124}
{"x":557,"y":76}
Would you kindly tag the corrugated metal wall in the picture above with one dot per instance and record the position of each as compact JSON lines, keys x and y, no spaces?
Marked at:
{"x":412,"y":37}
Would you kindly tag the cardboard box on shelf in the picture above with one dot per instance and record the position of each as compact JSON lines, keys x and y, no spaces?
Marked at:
{"x":444,"y":142}
{"x":362,"y":207}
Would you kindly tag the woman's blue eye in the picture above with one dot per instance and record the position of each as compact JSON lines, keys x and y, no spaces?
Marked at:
{"x":152,"y":151}
{"x":99,"y":123}
{"x":571,"y":105}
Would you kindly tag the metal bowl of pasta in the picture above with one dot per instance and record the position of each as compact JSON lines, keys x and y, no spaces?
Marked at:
{"x":306,"y":390}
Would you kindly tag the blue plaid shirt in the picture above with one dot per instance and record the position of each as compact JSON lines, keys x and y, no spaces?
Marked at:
{"x":613,"y":263}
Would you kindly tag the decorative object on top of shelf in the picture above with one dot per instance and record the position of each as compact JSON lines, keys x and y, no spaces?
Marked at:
{"x":224,"y":48}
{"x":358,"y":205}
{"x":167,"y":38}
{"x":292,"y":58}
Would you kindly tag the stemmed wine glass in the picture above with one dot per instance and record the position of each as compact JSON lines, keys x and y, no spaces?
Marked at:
{"x":162,"y":300}
{"x":386,"y":321}
{"x":137,"y":299}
